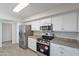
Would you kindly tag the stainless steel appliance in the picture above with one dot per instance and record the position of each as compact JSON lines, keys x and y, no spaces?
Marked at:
{"x":46,"y":27}
{"x":43,"y":48}
{"x":43,"y":44}
{"x":24,"y":32}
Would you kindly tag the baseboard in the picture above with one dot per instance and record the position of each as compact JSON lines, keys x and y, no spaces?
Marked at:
{"x":0,"y":45}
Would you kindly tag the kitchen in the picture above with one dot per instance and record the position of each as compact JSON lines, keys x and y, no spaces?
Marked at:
{"x":65,"y":29}
{"x":50,"y":32}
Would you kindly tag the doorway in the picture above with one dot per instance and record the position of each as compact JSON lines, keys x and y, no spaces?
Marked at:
{"x":6,"y":34}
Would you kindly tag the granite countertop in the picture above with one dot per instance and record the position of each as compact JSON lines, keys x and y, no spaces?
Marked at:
{"x":62,"y":41}
{"x":66,"y":42}
{"x":35,"y":36}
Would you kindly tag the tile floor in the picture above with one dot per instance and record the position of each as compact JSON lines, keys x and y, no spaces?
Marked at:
{"x":13,"y":50}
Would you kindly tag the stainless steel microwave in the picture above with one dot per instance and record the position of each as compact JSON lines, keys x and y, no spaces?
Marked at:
{"x":47,"y":27}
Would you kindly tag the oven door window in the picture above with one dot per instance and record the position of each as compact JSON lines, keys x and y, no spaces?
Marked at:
{"x":43,"y":48}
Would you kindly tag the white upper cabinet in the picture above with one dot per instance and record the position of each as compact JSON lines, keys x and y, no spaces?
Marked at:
{"x":28,"y":23}
{"x":42,"y":22}
{"x":36,"y":25}
{"x":70,"y":22}
{"x":57,"y":22}
{"x":46,"y":21}
{"x":65,"y":22}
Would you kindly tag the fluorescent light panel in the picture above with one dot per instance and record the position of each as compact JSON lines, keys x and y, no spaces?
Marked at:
{"x":20,"y":6}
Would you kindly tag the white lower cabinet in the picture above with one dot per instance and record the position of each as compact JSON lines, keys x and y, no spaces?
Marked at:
{"x":45,"y":21}
{"x":61,"y":50}
{"x":55,"y":50}
{"x":68,"y":51}
{"x":32,"y":44}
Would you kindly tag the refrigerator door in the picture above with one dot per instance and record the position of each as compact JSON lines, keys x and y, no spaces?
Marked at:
{"x":24,"y":32}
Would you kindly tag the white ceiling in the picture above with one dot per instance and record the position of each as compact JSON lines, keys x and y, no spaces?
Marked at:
{"x":31,"y":9}
{"x":34,"y":8}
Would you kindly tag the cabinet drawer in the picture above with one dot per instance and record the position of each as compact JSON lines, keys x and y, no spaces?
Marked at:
{"x":60,"y":47}
{"x":61,"y":50}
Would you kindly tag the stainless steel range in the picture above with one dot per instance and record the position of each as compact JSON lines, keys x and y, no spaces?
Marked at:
{"x":43,"y":44}
{"x":43,"y":41}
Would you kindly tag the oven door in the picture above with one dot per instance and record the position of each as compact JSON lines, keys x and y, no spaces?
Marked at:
{"x":43,"y":48}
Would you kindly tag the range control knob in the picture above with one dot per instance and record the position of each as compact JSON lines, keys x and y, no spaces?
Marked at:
{"x":46,"y":48}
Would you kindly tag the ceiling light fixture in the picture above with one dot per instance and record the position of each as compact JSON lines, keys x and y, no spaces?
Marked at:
{"x":20,"y":6}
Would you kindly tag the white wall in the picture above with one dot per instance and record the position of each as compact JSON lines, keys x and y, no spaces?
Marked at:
{"x":6,"y":32}
{"x":18,"y":32}
{"x":66,"y":35}
{"x":0,"y":34}
{"x":14,"y":32}
{"x":62,"y":35}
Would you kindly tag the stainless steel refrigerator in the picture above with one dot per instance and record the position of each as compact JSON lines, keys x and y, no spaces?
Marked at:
{"x":24,"y":32}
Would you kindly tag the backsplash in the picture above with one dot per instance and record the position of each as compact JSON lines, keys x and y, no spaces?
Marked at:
{"x":37,"y":32}
{"x":66,"y":35}
{"x":61,"y":34}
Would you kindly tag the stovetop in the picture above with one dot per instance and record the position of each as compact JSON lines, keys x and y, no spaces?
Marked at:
{"x":43,"y":41}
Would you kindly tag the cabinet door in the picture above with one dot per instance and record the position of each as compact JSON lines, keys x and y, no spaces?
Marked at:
{"x":55,"y":50}
{"x":69,"y":51}
{"x":46,"y":21}
{"x":36,"y":25}
{"x":60,"y":50}
{"x":57,"y":22}
{"x":29,"y":43}
{"x":32,"y":44}
{"x":70,"y":22}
